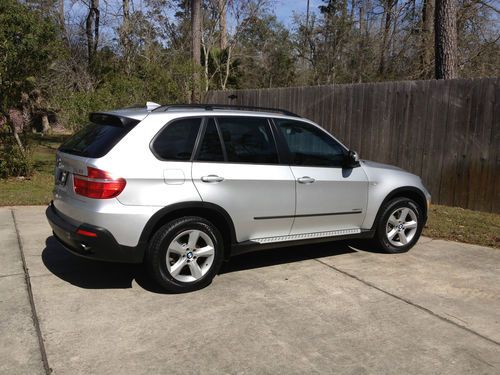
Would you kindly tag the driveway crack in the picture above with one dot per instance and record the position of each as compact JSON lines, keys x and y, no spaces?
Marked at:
{"x":407,"y":301}
{"x":34,"y":315}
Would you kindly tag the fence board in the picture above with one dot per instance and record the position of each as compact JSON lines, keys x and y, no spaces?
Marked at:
{"x":448,"y":132}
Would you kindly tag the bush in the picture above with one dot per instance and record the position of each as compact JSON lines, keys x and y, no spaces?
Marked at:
{"x":13,"y":162}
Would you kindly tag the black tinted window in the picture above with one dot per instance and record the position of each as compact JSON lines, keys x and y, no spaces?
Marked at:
{"x":211,"y":148}
{"x":309,"y":145}
{"x":94,"y":141}
{"x":248,"y":140}
{"x":176,"y":141}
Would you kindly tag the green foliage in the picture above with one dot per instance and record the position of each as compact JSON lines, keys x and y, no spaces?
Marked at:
{"x":266,"y":50}
{"x":13,"y":162}
{"x":150,"y":81}
{"x":28,"y":43}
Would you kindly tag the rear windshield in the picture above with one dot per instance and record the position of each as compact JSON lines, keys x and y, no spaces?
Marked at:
{"x":94,"y":140}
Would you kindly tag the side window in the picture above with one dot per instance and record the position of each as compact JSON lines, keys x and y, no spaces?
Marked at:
{"x":248,"y":140}
{"x":211,"y":148}
{"x":176,"y":140}
{"x":309,"y":146}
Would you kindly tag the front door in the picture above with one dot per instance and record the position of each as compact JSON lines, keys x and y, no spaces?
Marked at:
{"x":328,"y":197}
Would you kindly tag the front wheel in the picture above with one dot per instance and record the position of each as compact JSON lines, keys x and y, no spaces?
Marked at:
{"x":185,"y":254}
{"x":399,"y":226}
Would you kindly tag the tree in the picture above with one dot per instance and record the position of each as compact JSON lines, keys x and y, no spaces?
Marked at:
{"x":426,"y":49}
{"x":92,"y":31}
{"x":266,"y":58}
{"x":125,"y":31}
{"x":445,"y":26}
{"x":223,"y":23}
{"x":28,"y":44}
{"x":387,"y":20}
{"x":196,"y":48}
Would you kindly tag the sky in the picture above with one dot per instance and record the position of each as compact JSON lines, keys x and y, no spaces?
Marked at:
{"x":284,"y":9}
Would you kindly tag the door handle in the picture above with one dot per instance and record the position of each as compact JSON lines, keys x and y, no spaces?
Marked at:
{"x":305,"y":180}
{"x":212,"y":178}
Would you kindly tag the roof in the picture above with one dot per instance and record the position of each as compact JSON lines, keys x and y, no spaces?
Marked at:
{"x":139,"y":113}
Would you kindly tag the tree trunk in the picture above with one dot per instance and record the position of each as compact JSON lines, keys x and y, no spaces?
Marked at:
{"x":445,"y":28}
{"x":228,"y":69}
{"x":196,"y":46}
{"x":223,"y":24}
{"x":14,"y":119}
{"x":385,"y":37}
{"x":92,"y":30}
{"x":427,"y":43}
{"x":124,"y":35}
{"x":45,"y":124}
{"x":362,"y":43}
{"x":395,"y":18}
{"x":62,"y":22}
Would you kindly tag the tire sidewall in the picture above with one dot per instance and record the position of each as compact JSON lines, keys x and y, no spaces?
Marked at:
{"x":158,"y":251}
{"x":389,"y":208}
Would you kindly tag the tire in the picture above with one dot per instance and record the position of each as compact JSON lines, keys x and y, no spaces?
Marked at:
{"x":396,"y":234}
{"x":193,"y":248}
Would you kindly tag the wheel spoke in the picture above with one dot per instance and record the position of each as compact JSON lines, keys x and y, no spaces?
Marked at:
{"x":410,"y":224}
{"x":393,"y":220}
{"x":205,"y":251}
{"x":392,"y":233}
{"x":402,"y":238}
{"x":176,"y":248}
{"x":178,"y":266}
{"x":193,"y":238}
{"x":195,"y":270}
{"x":404,"y":214}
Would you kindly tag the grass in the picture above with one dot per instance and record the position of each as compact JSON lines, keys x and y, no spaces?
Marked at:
{"x":37,"y":189}
{"x":458,"y":224}
{"x":449,"y":223}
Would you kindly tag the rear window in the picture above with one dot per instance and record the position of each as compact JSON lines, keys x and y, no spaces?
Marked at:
{"x":176,"y":140}
{"x":94,"y":140}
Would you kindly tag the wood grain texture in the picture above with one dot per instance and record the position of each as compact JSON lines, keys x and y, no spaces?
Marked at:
{"x":446,"y":131}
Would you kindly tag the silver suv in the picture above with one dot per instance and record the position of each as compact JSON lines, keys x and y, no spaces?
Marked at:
{"x":183,"y":187}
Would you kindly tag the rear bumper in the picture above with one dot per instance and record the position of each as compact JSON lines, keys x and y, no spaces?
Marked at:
{"x":102,"y":246}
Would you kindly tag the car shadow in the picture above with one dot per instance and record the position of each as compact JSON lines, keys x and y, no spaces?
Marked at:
{"x":290,"y":254}
{"x":90,"y":274}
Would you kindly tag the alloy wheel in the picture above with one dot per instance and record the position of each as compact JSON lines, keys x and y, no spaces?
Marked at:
{"x":190,"y":255}
{"x":401,"y":226}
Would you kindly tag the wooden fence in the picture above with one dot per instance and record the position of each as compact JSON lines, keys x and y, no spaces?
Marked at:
{"x":447,"y":132}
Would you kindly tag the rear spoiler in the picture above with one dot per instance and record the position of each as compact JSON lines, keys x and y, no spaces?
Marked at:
{"x":102,"y":118}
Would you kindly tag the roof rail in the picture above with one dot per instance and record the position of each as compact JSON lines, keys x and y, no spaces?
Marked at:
{"x":211,"y":107}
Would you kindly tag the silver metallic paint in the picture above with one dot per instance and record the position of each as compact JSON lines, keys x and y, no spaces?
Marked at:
{"x":246,"y":191}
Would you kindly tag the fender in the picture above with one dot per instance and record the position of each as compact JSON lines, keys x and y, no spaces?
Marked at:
{"x":403,"y":191}
{"x":159,"y":218}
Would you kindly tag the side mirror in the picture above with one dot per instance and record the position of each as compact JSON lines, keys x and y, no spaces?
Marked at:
{"x":351,"y":159}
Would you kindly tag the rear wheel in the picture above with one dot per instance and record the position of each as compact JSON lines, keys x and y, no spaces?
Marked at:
{"x":185,"y":254}
{"x":399,"y":226}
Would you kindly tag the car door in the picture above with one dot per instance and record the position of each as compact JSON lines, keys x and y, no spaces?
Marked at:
{"x":328,"y":196}
{"x":237,"y":167}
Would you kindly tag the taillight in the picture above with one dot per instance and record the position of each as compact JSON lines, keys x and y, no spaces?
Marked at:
{"x":98,"y":184}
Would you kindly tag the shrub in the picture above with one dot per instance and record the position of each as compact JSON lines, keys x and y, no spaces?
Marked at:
{"x":13,"y":162}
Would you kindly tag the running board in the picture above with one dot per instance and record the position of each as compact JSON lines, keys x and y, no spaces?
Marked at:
{"x":298,"y":239}
{"x":306,"y":236}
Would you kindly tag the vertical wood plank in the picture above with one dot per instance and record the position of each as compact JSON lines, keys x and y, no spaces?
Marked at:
{"x":448,"y":132}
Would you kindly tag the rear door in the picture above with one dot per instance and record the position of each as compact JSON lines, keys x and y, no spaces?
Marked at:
{"x":237,"y":167}
{"x":329,"y":197}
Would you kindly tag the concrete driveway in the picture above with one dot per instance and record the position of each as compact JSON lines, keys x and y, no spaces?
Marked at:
{"x":314,"y":309}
